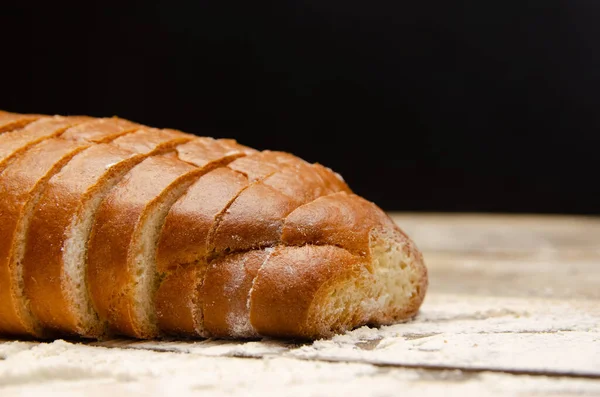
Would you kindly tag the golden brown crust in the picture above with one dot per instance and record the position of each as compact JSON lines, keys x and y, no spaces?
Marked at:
{"x":253,"y":220}
{"x":259,"y":165}
{"x":146,"y":140}
{"x":13,"y":121}
{"x":60,"y":205}
{"x":282,"y":182}
{"x":333,"y":181}
{"x":338,"y":220}
{"x":286,"y":286}
{"x":20,"y":183}
{"x":225,"y":292}
{"x":111,"y":303}
{"x":62,"y":202}
{"x":177,"y":302}
{"x":184,"y":235}
{"x":203,"y":152}
{"x":255,"y":246}
{"x":101,"y":130}
{"x":341,"y":219}
{"x":15,"y":142}
{"x":112,"y":245}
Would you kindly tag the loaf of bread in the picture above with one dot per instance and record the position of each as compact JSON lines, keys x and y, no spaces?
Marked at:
{"x":110,"y":227}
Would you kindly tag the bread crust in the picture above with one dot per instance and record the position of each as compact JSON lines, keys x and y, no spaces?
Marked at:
{"x":225,"y":291}
{"x":203,"y":151}
{"x":21,"y":183}
{"x":186,"y":229}
{"x":253,"y":220}
{"x":346,"y":222}
{"x":101,"y":130}
{"x":13,"y":121}
{"x":261,"y":244}
{"x":16,"y":142}
{"x":285,"y":287}
{"x":340,"y":219}
{"x":115,"y":239}
{"x":178,"y":307}
{"x":110,"y":254}
{"x":61,"y":205}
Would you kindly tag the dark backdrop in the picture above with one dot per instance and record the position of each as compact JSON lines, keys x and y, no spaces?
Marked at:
{"x":428,"y":106}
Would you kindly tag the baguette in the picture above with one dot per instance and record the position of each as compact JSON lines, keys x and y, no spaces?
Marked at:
{"x":112,"y":227}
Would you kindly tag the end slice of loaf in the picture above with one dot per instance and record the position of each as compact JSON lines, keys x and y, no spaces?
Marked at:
{"x":341,"y":263}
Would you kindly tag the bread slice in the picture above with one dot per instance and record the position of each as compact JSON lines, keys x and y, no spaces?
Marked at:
{"x":352,"y":266}
{"x":13,"y":121}
{"x":282,"y":182}
{"x":183,"y":249}
{"x":392,"y":278}
{"x":186,"y":241}
{"x":184,"y":238}
{"x":121,"y":257}
{"x":25,"y":179}
{"x":17,"y":141}
{"x":341,"y":263}
{"x":122,"y":271}
{"x":200,"y":227}
{"x":60,"y":225}
{"x":22,"y":184}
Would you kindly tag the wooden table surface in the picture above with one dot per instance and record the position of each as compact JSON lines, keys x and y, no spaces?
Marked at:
{"x":513,"y":308}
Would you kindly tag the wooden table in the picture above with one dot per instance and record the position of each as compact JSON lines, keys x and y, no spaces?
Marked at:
{"x":513,"y":308}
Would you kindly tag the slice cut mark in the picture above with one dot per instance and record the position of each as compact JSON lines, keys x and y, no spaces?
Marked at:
{"x":185,"y":233}
{"x":205,"y":202}
{"x":177,"y":302}
{"x":137,"y":286}
{"x":383,"y":285}
{"x":225,"y":291}
{"x":252,"y":218}
{"x":203,"y":152}
{"x":15,"y":142}
{"x":58,"y":233}
{"x":286,"y":286}
{"x":13,"y":121}
{"x":340,"y":219}
{"x":101,"y":130}
{"x":336,"y":220}
{"x":28,"y":176}
{"x":183,"y":249}
{"x":201,"y":210}
{"x":22,"y":183}
{"x":121,"y":269}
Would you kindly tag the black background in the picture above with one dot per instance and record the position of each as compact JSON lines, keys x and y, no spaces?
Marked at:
{"x":423,"y":106}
